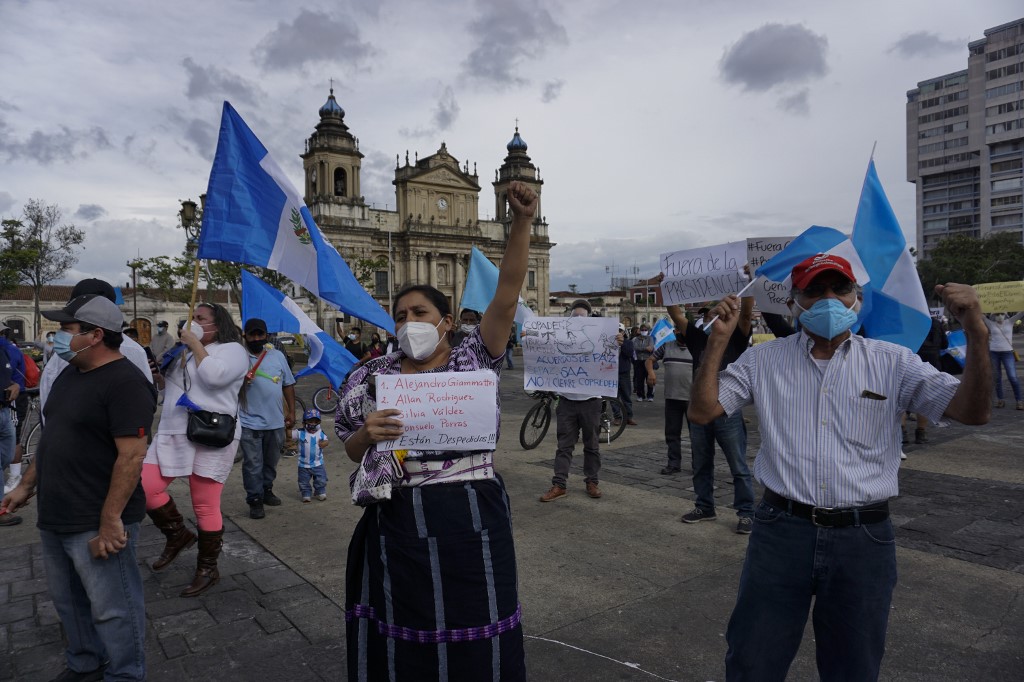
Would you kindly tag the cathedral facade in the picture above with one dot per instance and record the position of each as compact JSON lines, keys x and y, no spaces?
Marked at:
{"x":427,"y":239}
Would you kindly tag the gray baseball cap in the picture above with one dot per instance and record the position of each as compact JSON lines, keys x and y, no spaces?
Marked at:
{"x":93,"y":309}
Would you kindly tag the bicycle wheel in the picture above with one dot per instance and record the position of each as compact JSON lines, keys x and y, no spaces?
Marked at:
{"x":535,"y":426}
{"x":326,"y":400}
{"x":32,"y":443}
{"x":300,"y":409}
{"x":609,"y":431}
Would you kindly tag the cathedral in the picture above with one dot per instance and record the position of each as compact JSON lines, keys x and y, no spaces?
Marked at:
{"x":427,"y":239}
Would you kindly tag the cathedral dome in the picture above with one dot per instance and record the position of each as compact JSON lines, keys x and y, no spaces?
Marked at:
{"x":516,"y":144}
{"x":332,"y":108}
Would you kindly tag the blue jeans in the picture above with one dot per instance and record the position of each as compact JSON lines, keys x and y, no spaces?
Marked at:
{"x":100,"y":603}
{"x":850,"y":572}
{"x":319,"y":476}
{"x":508,"y":357}
{"x":1004,"y":360}
{"x":7,"y":441}
{"x":261,"y":451}
{"x":731,"y":434}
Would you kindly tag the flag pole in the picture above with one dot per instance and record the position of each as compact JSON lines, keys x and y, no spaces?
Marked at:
{"x":192,"y":305}
{"x":707,"y":327}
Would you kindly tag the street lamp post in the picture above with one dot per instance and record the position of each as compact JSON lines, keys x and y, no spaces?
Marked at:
{"x":192,"y":230}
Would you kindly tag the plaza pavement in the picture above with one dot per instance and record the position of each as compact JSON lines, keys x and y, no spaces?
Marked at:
{"x":612,"y":589}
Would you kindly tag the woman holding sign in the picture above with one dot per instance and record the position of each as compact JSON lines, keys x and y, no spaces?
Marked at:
{"x":431,"y":576}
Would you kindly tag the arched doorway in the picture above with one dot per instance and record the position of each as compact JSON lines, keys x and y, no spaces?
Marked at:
{"x":145,"y":330}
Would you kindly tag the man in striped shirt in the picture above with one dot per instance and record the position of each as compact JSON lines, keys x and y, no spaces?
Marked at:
{"x":829,"y":405}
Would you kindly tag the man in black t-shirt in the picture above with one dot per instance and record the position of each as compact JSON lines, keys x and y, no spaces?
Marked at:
{"x":729,"y":432}
{"x":87,"y":474}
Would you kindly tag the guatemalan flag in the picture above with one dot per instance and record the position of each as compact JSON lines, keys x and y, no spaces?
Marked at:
{"x":281,"y":314}
{"x":482,"y":284}
{"x":894,"y":308}
{"x":662,"y":332}
{"x":254,"y":215}
{"x":810,"y":242}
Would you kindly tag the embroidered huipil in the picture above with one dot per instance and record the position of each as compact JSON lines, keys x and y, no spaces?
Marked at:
{"x":421,"y":467}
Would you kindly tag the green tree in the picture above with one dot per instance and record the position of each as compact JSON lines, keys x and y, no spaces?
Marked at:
{"x":14,"y":255}
{"x":170,"y":277}
{"x":998,"y":257}
{"x":48,"y":248}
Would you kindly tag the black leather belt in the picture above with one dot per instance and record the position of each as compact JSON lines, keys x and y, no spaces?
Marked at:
{"x":830,"y":517}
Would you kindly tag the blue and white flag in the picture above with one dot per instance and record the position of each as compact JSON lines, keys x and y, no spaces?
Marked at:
{"x":894,"y":307}
{"x":810,"y":242}
{"x":482,"y":284}
{"x":662,"y":332}
{"x":254,"y":215}
{"x":957,"y":346}
{"x":282,"y":314}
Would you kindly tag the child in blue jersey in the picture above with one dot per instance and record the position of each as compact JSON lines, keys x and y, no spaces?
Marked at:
{"x":311,"y":442}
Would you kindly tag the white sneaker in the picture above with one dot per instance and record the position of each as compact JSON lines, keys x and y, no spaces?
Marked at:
{"x":322,"y":496}
{"x":11,"y":484}
{"x":903,"y":455}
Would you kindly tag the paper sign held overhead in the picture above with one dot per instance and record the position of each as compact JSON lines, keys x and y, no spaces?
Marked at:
{"x":703,"y":274}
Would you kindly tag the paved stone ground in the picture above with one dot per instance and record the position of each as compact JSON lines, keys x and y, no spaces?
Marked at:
{"x":261,"y":621}
{"x":656,"y":592}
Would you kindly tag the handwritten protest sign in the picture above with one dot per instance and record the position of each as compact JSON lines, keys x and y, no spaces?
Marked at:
{"x":571,"y":355}
{"x":770,"y":296}
{"x":704,"y":274}
{"x":442,"y":411}
{"x":1001,"y":297}
{"x":761,"y":249}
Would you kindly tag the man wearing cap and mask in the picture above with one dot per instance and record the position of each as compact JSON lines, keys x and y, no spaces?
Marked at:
{"x":577,"y":417}
{"x":130,"y":349}
{"x":87,"y":475}
{"x":266,"y":411}
{"x":829,"y":404}
{"x":162,"y":342}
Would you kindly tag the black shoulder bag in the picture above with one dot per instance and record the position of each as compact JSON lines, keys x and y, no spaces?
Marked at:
{"x":211,"y":429}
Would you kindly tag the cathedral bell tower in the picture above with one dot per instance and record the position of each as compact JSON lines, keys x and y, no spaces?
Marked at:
{"x":332,"y":163}
{"x":517,"y":166}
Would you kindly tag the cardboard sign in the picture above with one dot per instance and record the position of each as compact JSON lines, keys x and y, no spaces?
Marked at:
{"x":704,"y":274}
{"x":1001,"y":297}
{"x":760,"y":250}
{"x":442,"y":411}
{"x":770,"y":296}
{"x":571,"y":355}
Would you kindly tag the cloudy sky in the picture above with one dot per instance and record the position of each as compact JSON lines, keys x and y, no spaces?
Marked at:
{"x":658,"y":125}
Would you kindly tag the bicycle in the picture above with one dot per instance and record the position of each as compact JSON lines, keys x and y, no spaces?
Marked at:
{"x":609,"y":429}
{"x":538,"y":419}
{"x":30,"y":437}
{"x":326,"y":400}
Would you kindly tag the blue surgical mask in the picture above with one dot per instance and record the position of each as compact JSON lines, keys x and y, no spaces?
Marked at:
{"x":828,"y":318}
{"x":62,"y":345}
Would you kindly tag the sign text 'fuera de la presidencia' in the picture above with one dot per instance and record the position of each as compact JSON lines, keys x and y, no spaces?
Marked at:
{"x":703,"y":274}
{"x":571,"y":355}
{"x":442,"y":411}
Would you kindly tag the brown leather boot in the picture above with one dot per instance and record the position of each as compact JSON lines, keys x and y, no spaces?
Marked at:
{"x":207,"y":575}
{"x":169,"y":521}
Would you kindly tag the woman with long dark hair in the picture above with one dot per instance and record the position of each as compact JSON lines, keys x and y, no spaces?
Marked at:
{"x":431,"y":575}
{"x":211,"y":380}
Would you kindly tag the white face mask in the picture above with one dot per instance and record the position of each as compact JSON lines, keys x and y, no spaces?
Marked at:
{"x":198,"y":329}
{"x":468,"y":328}
{"x":419,"y":339}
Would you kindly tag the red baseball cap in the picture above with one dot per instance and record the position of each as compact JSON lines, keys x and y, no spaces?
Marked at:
{"x":808,"y":269}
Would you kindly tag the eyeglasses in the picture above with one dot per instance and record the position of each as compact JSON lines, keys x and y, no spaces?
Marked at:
{"x":838,"y":288}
